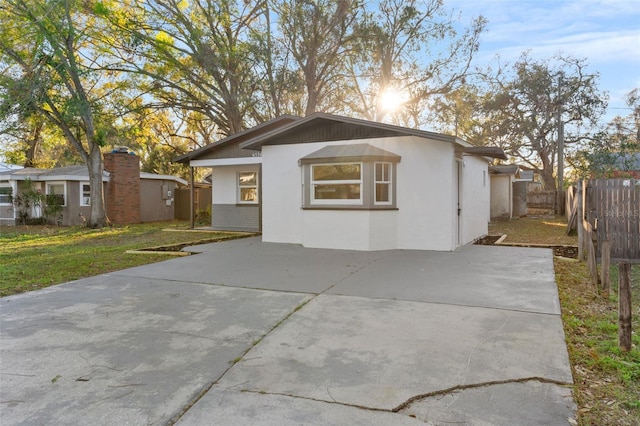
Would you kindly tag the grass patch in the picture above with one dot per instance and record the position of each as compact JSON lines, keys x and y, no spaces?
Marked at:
{"x":607,"y":380}
{"x":526,"y":230}
{"x":34,"y":257}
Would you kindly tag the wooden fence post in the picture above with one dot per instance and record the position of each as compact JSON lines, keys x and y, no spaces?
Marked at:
{"x":624,"y":307}
{"x":591,"y":260}
{"x":605,"y":267}
{"x":582,"y":189}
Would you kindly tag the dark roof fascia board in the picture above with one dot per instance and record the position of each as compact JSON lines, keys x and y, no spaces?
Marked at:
{"x":185,"y":158}
{"x":486,"y":151}
{"x":268,"y":138}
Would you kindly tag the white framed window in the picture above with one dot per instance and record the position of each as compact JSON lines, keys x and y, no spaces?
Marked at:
{"x":336,"y":183}
{"x":248,"y":187}
{"x":59,"y":190}
{"x":382,"y":182}
{"x":85,"y":194}
{"x":6,"y":193}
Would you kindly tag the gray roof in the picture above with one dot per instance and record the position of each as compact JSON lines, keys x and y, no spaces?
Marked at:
{"x":5,"y":167}
{"x":78,"y":172}
{"x":73,"y":173}
{"x":526,"y":175}
{"x":361,"y":151}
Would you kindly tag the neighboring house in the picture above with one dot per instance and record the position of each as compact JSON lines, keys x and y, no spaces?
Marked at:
{"x":327,"y":181}
{"x":131,"y":196}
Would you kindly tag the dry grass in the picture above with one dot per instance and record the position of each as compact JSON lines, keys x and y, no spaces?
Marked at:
{"x":546,"y":230}
{"x":607,"y":380}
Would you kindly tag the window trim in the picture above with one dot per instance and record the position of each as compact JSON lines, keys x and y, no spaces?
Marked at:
{"x":389,"y":183}
{"x":239,"y":188}
{"x":342,"y":202}
{"x":81,"y":185}
{"x":7,"y":184}
{"x":57,"y":182}
{"x":367,"y":191}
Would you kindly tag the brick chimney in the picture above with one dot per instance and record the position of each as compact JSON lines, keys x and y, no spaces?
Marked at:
{"x":123,"y":189}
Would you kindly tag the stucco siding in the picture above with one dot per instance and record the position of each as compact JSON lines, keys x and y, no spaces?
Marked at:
{"x":282,"y":214}
{"x":501,"y":196}
{"x":475,"y":199}
{"x":425,"y":195}
{"x":424,"y":190}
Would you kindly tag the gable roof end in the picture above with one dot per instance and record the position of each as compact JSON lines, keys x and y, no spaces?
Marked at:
{"x":322,"y":127}
{"x":241,"y":136}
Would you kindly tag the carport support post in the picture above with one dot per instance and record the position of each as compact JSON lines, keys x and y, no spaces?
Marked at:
{"x":192,"y":192}
{"x":624,"y":306}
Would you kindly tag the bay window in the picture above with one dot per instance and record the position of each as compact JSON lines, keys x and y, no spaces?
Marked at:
{"x":356,"y":177}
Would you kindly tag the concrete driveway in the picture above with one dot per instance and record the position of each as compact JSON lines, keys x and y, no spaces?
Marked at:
{"x":251,"y":333}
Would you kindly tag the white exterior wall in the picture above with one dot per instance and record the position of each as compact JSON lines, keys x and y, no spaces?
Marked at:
{"x":501,"y":196}
{"x":224,"y":182}
{"x":424,"y":193}
{"x":476,"y":194}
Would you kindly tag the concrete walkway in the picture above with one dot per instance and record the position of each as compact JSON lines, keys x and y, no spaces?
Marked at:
{"x":250,"y":333}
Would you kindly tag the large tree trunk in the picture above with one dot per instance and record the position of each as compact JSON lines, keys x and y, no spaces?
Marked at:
{"x":34,"y":144}
{"x":98,"y":218}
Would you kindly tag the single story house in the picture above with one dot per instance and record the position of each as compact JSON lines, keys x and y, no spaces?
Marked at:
{"x":328,"y":181}
{"x":131,"y":196}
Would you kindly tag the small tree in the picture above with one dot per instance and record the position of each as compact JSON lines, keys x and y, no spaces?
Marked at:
{"x":27,"y":201}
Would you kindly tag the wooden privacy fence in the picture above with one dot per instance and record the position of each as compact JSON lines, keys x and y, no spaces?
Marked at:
{"x":607,"y":215}
{"x":183,"y":201}
{"x":613,"y":209}
{"x":541,"y":199}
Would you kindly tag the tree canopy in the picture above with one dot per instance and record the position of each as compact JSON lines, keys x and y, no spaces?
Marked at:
{"x":167,"y":76}
{"x":48,"y":51}
{"x":521,"y":108}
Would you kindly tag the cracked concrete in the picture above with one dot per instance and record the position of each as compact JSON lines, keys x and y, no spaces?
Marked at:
{"x":497,"y":404}
{"x":275,"y":334}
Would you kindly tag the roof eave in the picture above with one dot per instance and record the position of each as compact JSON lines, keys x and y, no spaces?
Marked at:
{"x":185,"y":158}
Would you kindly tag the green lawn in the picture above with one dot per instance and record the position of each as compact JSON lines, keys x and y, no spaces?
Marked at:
{"x":607,"y":380}
{"x":33,"y":257}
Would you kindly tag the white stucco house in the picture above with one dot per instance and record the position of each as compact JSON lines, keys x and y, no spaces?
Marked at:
{"x":327,"y":181}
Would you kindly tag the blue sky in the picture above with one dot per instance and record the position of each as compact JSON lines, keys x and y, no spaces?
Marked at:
{"x":606,"y":32}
